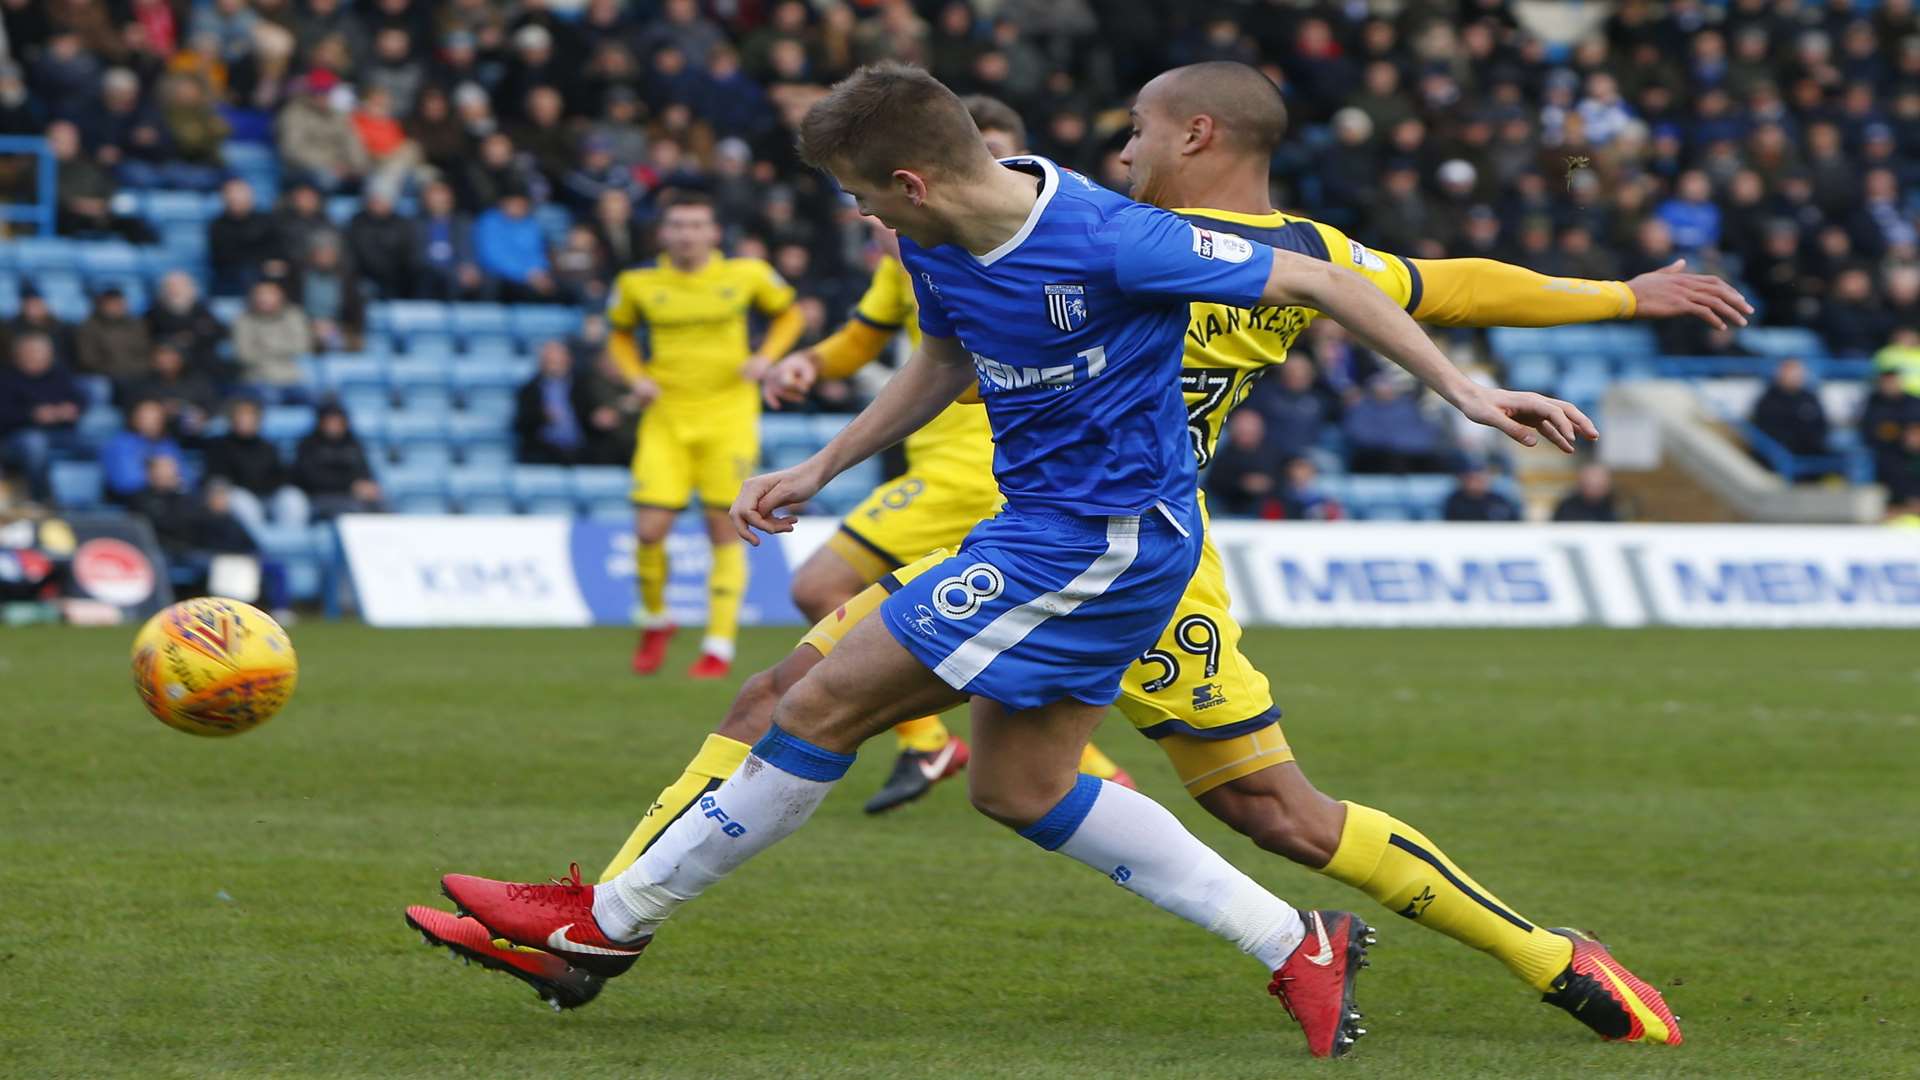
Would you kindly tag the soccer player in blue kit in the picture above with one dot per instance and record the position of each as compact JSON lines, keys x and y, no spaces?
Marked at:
{"x":1067,"y":303}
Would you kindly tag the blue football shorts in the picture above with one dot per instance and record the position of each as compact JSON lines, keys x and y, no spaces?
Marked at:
{"x":1039,"y":607}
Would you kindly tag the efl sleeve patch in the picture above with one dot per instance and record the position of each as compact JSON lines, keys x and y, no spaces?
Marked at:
{"x":1225,"y":247}
{"x":1366,"y":259}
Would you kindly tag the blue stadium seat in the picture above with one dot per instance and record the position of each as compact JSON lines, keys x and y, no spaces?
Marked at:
{"x":420,"y":502}
{"x":411,"y":425}
{"x":536,"y":322}
{"x":845,"y":491}
{"x":492,"y":453}
{"x":1383,"y":511}
{"x":549,"y":505}
{"x":409,"y":317}
{"x":619,"y":510}
{"x":1368,"y":488}
{"x":471,"y":321}
{"x":427,"y":399}
{"x":474,"y":371}
{"x":131,"y":286}
{"x":401,"y":482}
{"x":540,"y":482}
{"x":110,"y":257}
{"x":554,"y":222}
{"x":1532,"y":370}
{"x":39,"y":254}
{"x":427,"y":345}
{"x":437,"y":456}
{"x":490,"y":505}
{"x":1782,"y":341}
{"x":341,"y":208}
{"x":1422,"y":489}
{"x":783,"y":455}
{"x":410,"y":372}
{"x":361,"y":399}
{"x":184,"y":240}
{"x":163,"y":207}
{"x":591,"y":482}
{"x":76,"y":484}
{"x":249,"y":156}
{"x":226,"y":308}
{"x":279,"y":422}
{"x":98,"y":423}
{"x":472,"y":481}
{"x":496,"y":402}
{"x":492,"y":348}
{"x":465,"y":428}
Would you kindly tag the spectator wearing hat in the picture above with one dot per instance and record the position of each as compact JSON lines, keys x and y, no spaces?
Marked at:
{"x":39,"y":405}
{"x":1473,"y":498}
{"x":112,"y":341}
{"x":330,"y":467}
{"x":317,"y":142}
{"x":511,"y":251}
{"x":124,"y":456}
{"x":269,"y":336}
{"x":262,"y":485}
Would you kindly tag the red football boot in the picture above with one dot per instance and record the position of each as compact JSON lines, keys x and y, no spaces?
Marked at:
{"x":1124,"y":779}
{"x":710,"y":666}
{"x":1602,"y":994}
{"x":559,"y":985}
{"x":556,"y":917}
{"x":1316,"y":982}
{"x":652,"y":650}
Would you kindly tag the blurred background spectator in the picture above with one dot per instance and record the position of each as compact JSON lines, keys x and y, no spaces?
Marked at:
{"x":1592,"y":498}
{"x":261,"y":485}
{"x":331,"y":468}
{"x":1244,"y":480}
{"x":269,"y":336}
{"x":1790,"y":413}
{"x":1475,"y":500}
{"x":124,"y":456}
{"x":39,"y":405}
{"x":552,"y":411}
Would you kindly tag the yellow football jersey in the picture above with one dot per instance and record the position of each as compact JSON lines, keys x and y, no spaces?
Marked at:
{"x":697,"y":325}
{"x":959,"y":441}
{"x":1227,"y":348}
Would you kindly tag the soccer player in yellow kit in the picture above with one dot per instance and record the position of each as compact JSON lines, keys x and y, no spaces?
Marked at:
{"x":701,"y":429}
{"x":1203,"y":137}
{"x":947,"y":490}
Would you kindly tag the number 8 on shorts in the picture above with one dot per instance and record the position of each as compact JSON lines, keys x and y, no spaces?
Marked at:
{"x":961,"y":595}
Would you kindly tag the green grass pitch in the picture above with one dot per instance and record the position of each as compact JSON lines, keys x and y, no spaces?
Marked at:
{"x":1735,"y":812}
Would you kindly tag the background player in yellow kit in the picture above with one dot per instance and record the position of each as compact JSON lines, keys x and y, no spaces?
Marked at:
{"x":1203,"y":137}
{"x":701,"y":428}
{"x":947,"y":490}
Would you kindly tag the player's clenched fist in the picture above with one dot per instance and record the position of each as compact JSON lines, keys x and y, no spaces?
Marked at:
{"x":762,"y":496}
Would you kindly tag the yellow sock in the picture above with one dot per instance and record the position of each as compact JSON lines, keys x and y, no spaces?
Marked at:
{"x":1390,"y":861}
{"x":926,"y":734}
{"x":1095,"y":763}
{"x":726,"y":588}
{"x":717,"y":760}
{"x":650,"y":569}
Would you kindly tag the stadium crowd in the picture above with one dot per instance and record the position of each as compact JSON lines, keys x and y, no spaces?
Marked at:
{"x":519,"y":152}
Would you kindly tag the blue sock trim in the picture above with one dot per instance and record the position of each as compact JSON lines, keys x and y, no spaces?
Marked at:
{"x":790,"y":753}
{"x":1064,"y":819}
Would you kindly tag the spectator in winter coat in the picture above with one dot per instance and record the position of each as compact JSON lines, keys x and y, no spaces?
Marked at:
{"x":269,"y":336}
{"x":512,"y":250}
{"x":1245,"y":476}
{"x":240,"y":239}
{"x":380,"y":246}
{"x":1387,"y":432}
{"x":1591,"y":499}
{"x":187,"y":396}
{"x":180,"y":318}
{"x":550,"y":416}
{"x":330,"y":466}
{"x":443,"y":248}
{"x":317,"y":143}
{"x":1475,"y":500}
{"x":112,"y":342}
{"x":252,"y":467}
{"x":39,"y":405}
{"x":1791,"y":414}
{"x":1884,"y":419}
{"x":123,"y":458}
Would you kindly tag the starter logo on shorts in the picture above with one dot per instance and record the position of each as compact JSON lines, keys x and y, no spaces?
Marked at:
{"x":923,"y":623}
{"x":961,"y":595}
{"x":1067,"y":306}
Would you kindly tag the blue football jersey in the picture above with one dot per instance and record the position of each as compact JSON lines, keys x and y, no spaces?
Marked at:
{"x":1076,"y":325}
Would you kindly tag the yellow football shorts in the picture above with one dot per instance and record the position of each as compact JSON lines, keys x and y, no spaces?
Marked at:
{"x":1194,"y":693}
{"x":907,"y":517}
{"x":1197,"y":696}
{"x":680,"y":452}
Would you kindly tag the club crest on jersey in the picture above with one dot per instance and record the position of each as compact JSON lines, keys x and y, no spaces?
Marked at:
{"x":1067,"y":306}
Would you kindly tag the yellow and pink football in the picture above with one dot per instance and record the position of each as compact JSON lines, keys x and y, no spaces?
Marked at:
{"x":213,"y":667}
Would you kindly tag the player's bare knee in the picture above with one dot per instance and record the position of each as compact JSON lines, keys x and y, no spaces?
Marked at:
{"x":816,"y":595}
{"x":1014,"y":809}
{"x":813,"y":711}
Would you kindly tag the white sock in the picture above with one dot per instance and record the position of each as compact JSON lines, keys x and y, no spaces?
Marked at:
{"x":1144,"y":848}
{"x":773,"y":793}
{"x":721,"y":647}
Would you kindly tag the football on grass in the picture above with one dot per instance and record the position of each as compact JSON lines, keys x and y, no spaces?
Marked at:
{"x":213,"y":667}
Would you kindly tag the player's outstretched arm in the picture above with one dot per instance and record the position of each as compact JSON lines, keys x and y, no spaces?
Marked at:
{"x":939,"y":371}
{"x":1487,"y":292}
{"x":1381,"y":325}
